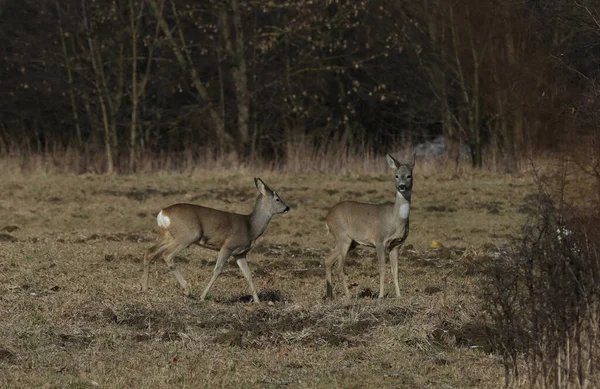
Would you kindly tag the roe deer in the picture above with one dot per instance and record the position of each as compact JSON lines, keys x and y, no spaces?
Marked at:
{"x":230,"y":234}
{"x":383,"y":226}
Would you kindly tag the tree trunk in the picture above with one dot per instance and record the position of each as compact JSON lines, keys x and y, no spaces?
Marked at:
{"x":220,"y":71}
{"x":99,"y":80}
{"x":437,"y":32}
{"x":134,"y":90}
{"x":110,"y":167}
{"x":449,"y":132}
{"x":70,"y":82}
{"x":240,"y":78}
{"x":470,"y":97}
{"x":184,"y":60}
{"x":512,"y":148}
{"x":475,"y":111}
{"x":138,"y":87}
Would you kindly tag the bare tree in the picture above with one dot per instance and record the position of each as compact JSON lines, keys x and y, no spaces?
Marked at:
{"x":182,"y":53}
{"x":67,"y":63}
{"x":139,"y":79}
{"x":235,"y":46}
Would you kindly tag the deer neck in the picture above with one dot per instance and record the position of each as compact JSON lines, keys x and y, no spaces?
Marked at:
{"x":402,"y":205}
{"x":259,"y":219}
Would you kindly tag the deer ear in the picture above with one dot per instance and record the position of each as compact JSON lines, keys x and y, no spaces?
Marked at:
{"x":262,"y":187}
{"x":411,"y":160}
{"x":392,"y":163}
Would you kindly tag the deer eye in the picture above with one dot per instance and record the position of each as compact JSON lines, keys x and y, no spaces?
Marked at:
{"x":396,"y":176}
{"x":409,"y":177}
{"x":278,"y":200}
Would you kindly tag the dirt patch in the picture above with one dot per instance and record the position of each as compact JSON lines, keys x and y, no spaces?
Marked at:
{"x":143,"y":319}
{"x":229,"y":338}
{"x":493,"y":207}
{"x":170,"y":336}
{"x":109,"y":315}
{"x":114,"y":237}
{"x":164,"y":336}
{"x":130,"y":258}
{"x":290,"y":251}
{"x":395,"y":316}
{"x":264,"y":296}
{"x":442,"y":257}
{"x":442,"y":253}
{"x":128,"y":237}
{"x":229,"y":196}
{"x":10,"y":228}
{"x":432,"y":290}
{"x":309,"y":272}
{"x":478,"y":230}
{"x":136,"y":320}
{"x":308,"y":252}
{"x":7,"y":355}
{"x":278,"y":264}
{"x":442,"y":360}
{"x":271,"y":250}
{"x":331,"y":339}
{"x":439,"y":208}
{"x":7,"y":238}
{"x":360,"y":327}
{"x":312,"y":262}
{"x":367,"y":293}
{"x":473,"y":335}
{"x":140,"y":194}
{"x":73,"y":340}
{"x":410,"y":254}
{"x":274,"y":326}
{"x":142,"y":337}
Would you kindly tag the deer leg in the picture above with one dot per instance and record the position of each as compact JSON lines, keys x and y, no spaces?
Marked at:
{"x":329,"y":261}
{"x":243,"y":264}
{"x":344,"y":247}
{"x":394,"y":262}
{"x":221,"y":259}
{"x":169,"y":261}
{"x":381,"y":259}
{"x":152,"y":253}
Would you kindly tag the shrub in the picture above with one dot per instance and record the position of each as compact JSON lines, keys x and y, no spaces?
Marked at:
{"x":543,"y":299}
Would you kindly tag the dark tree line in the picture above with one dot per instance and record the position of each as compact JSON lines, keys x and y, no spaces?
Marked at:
{"x":127,"y":80}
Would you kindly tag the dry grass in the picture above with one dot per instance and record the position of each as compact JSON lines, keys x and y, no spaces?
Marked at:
{"x":72,"y":315}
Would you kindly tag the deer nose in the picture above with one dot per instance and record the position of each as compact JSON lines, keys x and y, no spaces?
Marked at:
{"x":286,"y":209}
{"x":401,"y":187}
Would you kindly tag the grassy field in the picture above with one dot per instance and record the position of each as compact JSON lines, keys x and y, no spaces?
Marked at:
{"x":72,"y":313}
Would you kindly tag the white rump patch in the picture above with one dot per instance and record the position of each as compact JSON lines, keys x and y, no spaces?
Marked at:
{"x":404,"y":211}
{"x":163,"y":220}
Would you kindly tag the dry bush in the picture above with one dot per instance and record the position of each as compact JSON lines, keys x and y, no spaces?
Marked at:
{"x":544,"y":299}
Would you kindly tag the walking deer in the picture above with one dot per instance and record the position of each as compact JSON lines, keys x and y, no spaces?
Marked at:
{"x":231,"y":234}
{"x":383,"y":226}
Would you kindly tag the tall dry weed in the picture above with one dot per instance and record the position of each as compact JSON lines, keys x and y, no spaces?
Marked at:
{"x":303,"y":155}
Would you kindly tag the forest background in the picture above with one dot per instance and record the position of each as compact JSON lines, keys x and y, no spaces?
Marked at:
{"x":130,"y":86}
